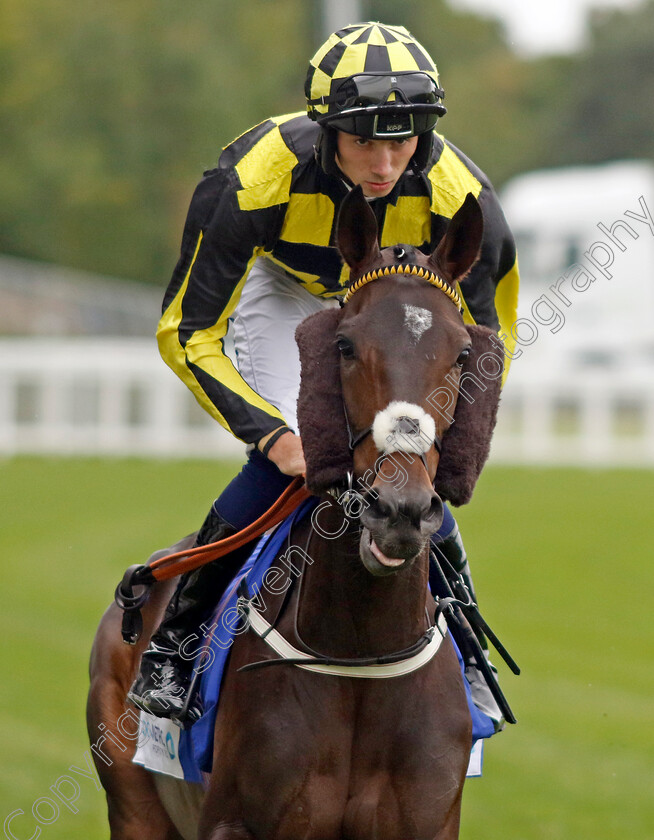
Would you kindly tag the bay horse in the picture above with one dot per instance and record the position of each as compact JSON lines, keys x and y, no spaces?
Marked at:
{"x":300,"y":755}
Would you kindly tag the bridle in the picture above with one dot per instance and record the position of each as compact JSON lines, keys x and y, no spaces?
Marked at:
{"x":415,"y":270}
{"x":407,"y":426}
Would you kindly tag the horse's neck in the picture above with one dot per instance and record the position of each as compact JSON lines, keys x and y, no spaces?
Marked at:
{"x":346,"y":611}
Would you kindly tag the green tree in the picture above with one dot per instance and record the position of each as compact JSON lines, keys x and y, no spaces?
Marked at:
{"x":110,"y":112}
{"x":604,"y":107}
{"x":113,"y":110}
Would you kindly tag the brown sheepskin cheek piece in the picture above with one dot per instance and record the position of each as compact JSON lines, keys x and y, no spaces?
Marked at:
{"x":466,"y":444}
{"x":320,"y":414}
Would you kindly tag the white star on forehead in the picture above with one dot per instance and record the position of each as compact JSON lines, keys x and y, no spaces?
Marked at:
{"x":417,"y":320}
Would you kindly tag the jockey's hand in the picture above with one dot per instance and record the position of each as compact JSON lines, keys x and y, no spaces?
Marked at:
{"x":286,"y":453}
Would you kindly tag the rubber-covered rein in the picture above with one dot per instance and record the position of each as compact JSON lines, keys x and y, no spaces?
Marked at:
{"x":185,"y":561}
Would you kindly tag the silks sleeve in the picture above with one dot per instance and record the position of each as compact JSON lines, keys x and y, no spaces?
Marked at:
{"x":490,"y":291}
{"x":219,"y":245}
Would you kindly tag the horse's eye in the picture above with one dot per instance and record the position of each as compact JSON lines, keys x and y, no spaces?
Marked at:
{"x":345,"y":348}
{"x":463,"y":357}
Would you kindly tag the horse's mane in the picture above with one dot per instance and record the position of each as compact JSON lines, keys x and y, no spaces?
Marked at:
{"x":321,"y":418}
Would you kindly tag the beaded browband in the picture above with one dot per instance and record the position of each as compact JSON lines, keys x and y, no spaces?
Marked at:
{"x":417,"y":271}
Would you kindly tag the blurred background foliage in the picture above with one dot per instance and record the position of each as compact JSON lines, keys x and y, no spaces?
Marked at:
{"x":110,"y":112}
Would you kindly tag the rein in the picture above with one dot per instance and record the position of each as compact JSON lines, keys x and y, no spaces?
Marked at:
{"x":176,"y":564}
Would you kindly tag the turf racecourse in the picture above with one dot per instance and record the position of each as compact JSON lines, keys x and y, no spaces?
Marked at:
{"x":562,"y":564}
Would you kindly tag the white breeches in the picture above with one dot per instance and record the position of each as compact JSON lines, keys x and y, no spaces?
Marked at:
{"x":270,"y":308}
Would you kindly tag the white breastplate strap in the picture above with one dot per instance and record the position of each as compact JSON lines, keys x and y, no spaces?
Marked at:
{"x":278,"y":643}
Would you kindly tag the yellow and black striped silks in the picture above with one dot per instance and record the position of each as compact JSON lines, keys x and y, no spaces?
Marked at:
{"x":268,"y":197}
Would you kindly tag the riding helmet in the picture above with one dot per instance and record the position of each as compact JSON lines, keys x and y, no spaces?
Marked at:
{"x":375,"y":81}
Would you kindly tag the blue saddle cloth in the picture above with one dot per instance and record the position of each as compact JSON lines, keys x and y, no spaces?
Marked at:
{"x":196,"y":744}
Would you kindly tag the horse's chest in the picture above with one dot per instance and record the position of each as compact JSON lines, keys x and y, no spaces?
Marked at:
{"x":353,"y":769}
{"x":342,"y":759}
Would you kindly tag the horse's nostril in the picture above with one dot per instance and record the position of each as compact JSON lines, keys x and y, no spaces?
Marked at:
{"x":435,"y":516}
{"x":425,"y":514}
{"x":385,"y":508}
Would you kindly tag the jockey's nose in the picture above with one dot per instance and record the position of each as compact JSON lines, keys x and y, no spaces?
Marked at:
{"x":382,"y":163}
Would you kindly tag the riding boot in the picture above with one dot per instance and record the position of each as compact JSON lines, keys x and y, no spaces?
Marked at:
{"x":452,"y":551}
{"x":166,"y":669}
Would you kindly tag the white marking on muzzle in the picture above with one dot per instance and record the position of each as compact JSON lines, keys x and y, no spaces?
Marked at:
{"x":417,"y":320}
{"x":403,"y":427}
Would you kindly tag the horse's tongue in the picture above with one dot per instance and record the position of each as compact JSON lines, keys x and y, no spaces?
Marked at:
{"x":383,"y":559}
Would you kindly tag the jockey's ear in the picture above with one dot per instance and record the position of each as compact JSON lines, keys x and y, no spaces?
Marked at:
{"x":458,"y":250}
{"x":357,"y":232}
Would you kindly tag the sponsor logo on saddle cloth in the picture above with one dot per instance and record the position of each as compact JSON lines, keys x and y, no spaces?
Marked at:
{"x":158,"y":746}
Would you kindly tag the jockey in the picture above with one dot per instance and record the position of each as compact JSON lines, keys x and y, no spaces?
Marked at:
{"x":258,"y":251}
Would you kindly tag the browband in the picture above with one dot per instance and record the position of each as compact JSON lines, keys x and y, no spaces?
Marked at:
{"x":417,"y":271}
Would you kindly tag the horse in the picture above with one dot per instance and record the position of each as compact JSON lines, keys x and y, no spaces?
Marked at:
{"x":300,"y":751}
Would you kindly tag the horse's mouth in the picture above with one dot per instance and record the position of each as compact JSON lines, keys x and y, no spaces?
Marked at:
{"x":376,"y":561}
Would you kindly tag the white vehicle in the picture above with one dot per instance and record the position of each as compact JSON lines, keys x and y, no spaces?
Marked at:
{"x":585,"y":238}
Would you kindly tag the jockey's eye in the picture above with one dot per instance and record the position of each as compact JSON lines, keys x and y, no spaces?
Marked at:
{"x":345,"y":347}
{"x":463,"y":357}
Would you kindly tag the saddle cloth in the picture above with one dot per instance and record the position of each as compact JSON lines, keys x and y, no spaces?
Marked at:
{"x":186,"y":754}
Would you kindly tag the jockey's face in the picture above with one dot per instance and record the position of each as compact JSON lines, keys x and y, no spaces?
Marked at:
{"x":374,"y":164}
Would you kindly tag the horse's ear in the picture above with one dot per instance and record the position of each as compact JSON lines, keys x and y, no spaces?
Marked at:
{"x":320,"y":413}
{"x":357,"y":232}
{"x":466,"y":444}
{"x":458,"y":250}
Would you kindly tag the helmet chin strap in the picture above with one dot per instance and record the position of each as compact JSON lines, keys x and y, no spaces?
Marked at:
{"x":326,"y":155}
{"x":325,"y":150}
{"x":350,"y":185}
{"x":422,"y":153}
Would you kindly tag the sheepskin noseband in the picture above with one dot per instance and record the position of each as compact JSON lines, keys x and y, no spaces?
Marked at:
{"x":403,"y":427}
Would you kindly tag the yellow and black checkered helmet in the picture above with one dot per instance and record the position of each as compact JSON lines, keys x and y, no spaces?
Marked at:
{"x":374,"y":81}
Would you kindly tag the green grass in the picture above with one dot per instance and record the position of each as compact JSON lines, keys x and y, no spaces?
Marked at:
{"x":562,"y":564}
